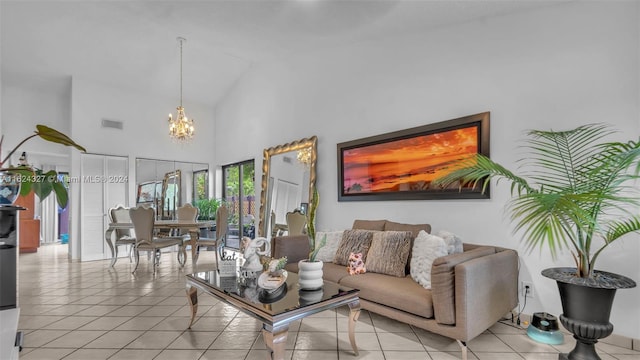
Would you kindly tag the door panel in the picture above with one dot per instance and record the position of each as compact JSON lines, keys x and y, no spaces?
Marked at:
{"x":103,"y":185}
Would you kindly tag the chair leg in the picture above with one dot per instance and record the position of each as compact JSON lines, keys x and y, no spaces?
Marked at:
{"x":156,"y":257}
{"x":137,"y":258}
{"x":219,"y":254}
{"x":195,"y":253}
{"x":130,"y":254}
{"x":182,"y":255}
{"x":115,"y":255}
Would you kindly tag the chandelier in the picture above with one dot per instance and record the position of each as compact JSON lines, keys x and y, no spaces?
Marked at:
{"x":304,"y":156}
{"x":181,"y":128}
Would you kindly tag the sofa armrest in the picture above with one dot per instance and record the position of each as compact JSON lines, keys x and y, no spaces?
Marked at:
{"x":295,"y":247}
{"x":486,"y":289}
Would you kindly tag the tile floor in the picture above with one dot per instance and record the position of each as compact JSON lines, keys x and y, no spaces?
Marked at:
{"x":90,"y":311}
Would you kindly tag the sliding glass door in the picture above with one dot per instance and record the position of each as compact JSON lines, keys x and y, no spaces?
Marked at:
{"x":239,"y":193}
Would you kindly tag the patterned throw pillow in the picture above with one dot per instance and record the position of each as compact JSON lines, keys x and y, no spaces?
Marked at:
{"x":328,"y":251}
{"x":426,"y":249}
{"x":356,"y":265}
{"x":353,"y":241}
{"x":389,"y":252}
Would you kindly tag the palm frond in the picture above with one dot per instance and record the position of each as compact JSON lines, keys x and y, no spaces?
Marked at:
{"x":479,"y":169}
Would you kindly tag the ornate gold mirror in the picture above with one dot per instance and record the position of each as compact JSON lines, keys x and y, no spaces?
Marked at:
{"x":288,"y":180}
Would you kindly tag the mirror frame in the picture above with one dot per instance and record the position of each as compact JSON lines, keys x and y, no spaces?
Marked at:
{"x":266,"y":161}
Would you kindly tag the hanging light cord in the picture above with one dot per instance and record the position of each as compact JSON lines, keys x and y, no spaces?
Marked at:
{"x":181,"y":40}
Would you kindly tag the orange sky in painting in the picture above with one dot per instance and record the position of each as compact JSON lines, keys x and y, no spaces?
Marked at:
{"x":399,"y":165}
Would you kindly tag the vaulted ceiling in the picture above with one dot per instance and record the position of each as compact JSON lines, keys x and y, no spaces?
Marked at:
{"x":133,"y":44}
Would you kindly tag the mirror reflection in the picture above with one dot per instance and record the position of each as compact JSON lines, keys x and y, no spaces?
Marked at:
{"x":166,"y":185}
{"x":288,"y":179}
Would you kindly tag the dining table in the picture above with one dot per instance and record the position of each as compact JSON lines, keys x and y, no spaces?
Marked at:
{"x":193,"y":227}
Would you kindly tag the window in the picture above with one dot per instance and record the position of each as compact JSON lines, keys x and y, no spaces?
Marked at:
{"x":200,"y":185}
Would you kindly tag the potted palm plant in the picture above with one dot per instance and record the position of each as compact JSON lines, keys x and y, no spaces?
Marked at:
{"x":24,"y":178}
{"x":310,"y":270}
{"x":577,"y":193}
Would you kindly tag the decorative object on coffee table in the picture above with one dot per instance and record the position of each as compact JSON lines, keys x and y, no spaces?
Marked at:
{"x":574,"y":185}
{"x":274,"y":274}
{"x":252,"y":249}
{"x":310,"y":270}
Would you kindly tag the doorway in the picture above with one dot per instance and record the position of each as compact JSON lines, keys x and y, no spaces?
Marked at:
{"x":238,"y":191}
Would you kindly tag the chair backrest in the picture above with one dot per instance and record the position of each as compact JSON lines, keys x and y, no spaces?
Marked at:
{"x":296,"y":222}
{"x":120,"y":214}
{"x":143,"y":219}
{"x":222,"y":221}
{"x":187,"y":212}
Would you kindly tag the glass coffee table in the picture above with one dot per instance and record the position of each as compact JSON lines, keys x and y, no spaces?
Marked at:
{"x":276,"y":309}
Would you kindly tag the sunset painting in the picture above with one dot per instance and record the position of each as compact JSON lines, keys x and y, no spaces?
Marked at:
{"x":405,"y":165}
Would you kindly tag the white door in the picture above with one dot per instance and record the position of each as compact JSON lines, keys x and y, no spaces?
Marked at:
{"x":103,"y":185}
{"x":286,"y":198}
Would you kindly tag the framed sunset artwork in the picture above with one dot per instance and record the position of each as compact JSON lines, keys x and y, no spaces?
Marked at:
{"x":401,"y":165}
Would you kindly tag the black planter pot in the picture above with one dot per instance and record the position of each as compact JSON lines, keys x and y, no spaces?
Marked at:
{"x":586,"y":307}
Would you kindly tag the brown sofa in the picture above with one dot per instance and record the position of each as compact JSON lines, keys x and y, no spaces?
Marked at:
{"x":470,"y":291}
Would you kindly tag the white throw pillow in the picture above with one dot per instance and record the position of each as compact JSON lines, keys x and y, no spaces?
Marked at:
{"x":454,"y":243}
{"x":328,"y":251}
{"x":426,"y":248}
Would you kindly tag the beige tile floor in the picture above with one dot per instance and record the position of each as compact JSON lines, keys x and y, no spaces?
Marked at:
{"x":89,"y":311}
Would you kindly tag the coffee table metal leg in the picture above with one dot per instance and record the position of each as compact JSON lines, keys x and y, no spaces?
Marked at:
{"x":276,"y":341}
{"x":354,"y":313}
{"x":192,"y":296}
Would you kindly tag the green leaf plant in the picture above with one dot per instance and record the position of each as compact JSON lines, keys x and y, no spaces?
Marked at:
{"x":33,"y":179}
{"x":576,"y":192}
{"x":314,"y":246}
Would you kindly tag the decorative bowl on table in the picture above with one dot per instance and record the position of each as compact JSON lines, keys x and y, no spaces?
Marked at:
{"x":271,"y":281}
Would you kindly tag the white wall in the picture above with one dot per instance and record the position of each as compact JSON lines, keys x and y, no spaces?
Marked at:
{"x":145,"y":132}
{"x":556,"y":67}
{"x":28,"y":103}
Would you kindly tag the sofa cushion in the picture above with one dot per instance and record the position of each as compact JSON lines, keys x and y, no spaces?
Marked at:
{"x":389,"y":252}
{"x":334,"y":272}
{"x":295,"y":247}
{"x":353,"y":241}
{"x":443,"y":282}
{"x":415,"y":230}
{"x":426,"y":249}
{"x":330,"y":271}
{"x":377,"y":225}
{"x":328,"y":251}
{"x":398,"y":293}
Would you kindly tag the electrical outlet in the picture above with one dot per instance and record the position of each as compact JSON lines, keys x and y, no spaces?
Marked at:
{"x":527,"y":289}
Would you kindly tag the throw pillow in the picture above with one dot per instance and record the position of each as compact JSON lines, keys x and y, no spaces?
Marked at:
{"x":426,"y":249}
{"x":356,"y":265}
{"x":353,"y":241}
{"x":454,"y":243}
{"x":328,"y":251}
{"x":389,"y":252}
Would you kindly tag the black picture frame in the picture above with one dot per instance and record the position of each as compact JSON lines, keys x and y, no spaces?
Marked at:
{"x":397,"y":165}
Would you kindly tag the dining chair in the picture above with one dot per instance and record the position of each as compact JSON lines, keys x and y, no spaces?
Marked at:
{"x":296,"y":222}
{"x":143,"y":219}
{"x":222,"y":227}
{"x":120,"y":214}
